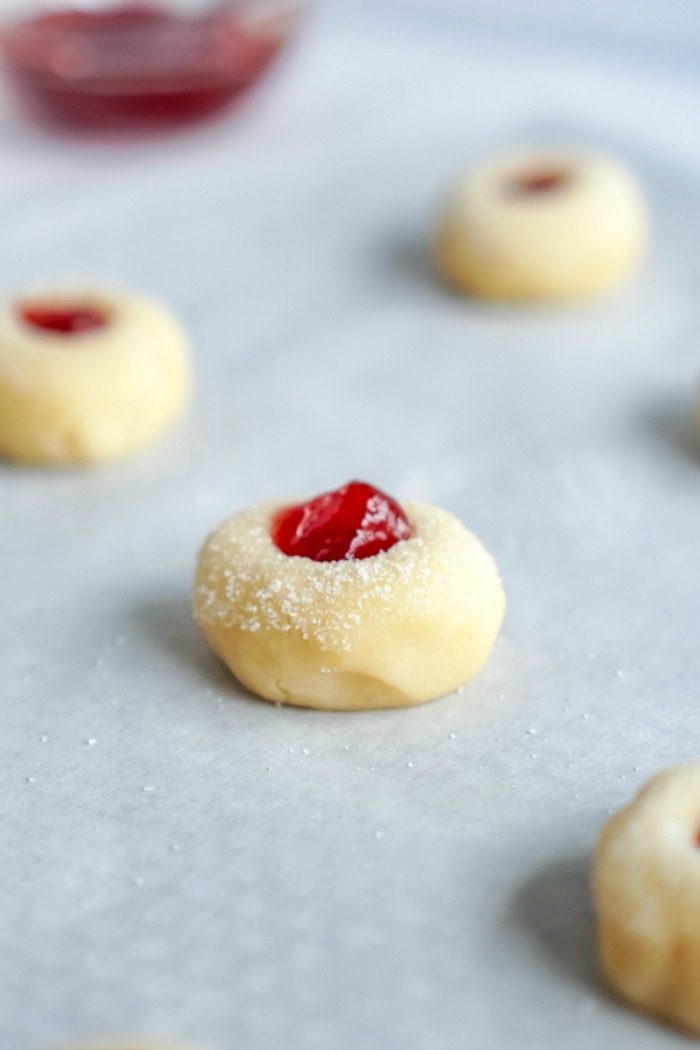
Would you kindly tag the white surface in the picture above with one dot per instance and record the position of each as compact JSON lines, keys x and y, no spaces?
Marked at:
{"x":654,"y":32}
{"x":213,"y":867}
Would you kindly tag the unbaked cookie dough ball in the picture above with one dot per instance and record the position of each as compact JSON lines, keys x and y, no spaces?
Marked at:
{"x":542,"y":224}
{"x":348,"y":601}
{"x":87,"y":375}
{"x":647,"y":890}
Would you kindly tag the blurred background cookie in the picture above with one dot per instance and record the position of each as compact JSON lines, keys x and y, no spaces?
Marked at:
{"x":542,"y":224}
{"x":87,"y":374}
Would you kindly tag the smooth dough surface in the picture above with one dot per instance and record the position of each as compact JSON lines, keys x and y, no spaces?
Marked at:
{"x":398,"y":628}
{"x":94,"y":396}
{"x":571,"y":242}
{"x":647,"y":890}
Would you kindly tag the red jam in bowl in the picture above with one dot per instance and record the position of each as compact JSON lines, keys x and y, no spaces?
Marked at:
{"x":136,"y":63}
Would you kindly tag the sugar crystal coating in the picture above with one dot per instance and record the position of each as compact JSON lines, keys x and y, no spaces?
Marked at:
{"x":250,"y":584}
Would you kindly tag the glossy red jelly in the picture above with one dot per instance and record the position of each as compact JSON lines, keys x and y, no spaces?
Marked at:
{"x":63,"y":320}
{"x":537,"y":182}
{"x":355,"y":521}
{"x":136,"y":63}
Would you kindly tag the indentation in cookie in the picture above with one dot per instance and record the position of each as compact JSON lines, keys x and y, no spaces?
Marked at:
{"x":538,"y":182}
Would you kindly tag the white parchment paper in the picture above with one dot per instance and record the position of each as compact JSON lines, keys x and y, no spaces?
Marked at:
{"x":181,"y":860}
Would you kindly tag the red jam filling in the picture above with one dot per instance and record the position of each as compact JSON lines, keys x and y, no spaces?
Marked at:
{"x":355,"y":521}
{"x":63,"y":320}
{"x":130,"y":63}
{"x":536,"y":182}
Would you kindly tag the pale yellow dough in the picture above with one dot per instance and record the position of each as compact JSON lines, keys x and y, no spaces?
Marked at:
{"x":395,"y":629}
{"x":90,"y":397}
{"x":647,"y":889}
{"x":575,"y":241}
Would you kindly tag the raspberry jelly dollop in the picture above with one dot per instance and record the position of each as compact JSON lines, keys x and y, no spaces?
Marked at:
{"x":63,"y":320}
{"x":352,"y":522}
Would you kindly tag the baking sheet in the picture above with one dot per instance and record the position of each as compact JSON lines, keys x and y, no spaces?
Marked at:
{"x":180,"y":859}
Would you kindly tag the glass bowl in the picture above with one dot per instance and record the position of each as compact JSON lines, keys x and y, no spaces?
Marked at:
{"x":115,"y":63}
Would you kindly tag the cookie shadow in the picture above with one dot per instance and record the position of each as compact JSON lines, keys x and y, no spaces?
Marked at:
{"x":669,"y":422}
{"x":409,"y":258}
{"x":553,"y":910}
{"x":170,"y":625}
{"x":409,"y":261}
